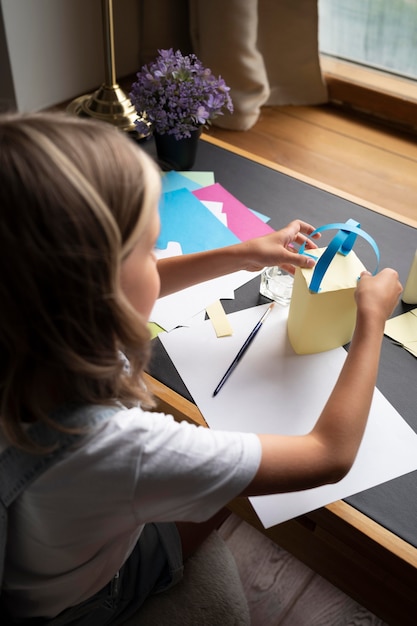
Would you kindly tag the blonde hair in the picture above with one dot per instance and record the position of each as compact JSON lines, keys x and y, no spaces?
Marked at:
{"x":74,"y":195}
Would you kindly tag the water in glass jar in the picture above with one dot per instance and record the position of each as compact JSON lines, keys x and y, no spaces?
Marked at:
{"x":277,"y":284}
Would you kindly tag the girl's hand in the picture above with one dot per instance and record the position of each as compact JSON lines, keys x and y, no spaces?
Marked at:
{"x":279,"y":248}
{"x":378,"y":295}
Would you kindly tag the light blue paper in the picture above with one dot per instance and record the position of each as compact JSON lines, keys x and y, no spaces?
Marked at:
{"x":186,"y":220}
{"x":264,"y":218}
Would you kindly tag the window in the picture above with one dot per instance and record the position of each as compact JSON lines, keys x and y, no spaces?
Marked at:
{"x":369,"y":59}
{"x":378,"y":33}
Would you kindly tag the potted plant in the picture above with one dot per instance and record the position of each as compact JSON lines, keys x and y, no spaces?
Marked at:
{"x":178,"y":96}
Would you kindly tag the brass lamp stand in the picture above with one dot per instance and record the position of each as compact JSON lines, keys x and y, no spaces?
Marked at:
{"x":109,"y":103}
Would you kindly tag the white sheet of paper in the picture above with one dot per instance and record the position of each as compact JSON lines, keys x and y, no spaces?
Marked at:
{"x":173,"y":249}
{"x":216,"y":209}
{"x":274,"y":390}
{"x":176,"y":309}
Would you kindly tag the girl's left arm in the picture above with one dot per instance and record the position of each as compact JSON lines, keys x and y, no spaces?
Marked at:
{"x":182,"y":271}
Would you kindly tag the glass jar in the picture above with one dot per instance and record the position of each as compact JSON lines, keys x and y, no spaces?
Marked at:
{"x":276,"y":284}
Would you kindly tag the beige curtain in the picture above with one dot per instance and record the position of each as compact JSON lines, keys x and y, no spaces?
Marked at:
{"x":266,"y":50}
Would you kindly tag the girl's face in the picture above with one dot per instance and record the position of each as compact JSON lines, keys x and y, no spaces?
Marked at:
{"x":139,"y":273}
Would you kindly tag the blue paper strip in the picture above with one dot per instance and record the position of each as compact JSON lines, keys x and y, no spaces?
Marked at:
{"x":342,"y":242}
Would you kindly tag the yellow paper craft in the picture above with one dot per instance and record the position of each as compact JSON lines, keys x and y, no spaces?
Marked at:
{"x":403,"y":329}
{"x":325,"y":320}
{"x":219,"y":319}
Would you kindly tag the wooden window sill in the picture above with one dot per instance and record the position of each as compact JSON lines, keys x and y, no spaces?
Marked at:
{"x":373,"y":92}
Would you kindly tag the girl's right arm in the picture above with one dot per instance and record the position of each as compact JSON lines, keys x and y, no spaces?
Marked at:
{"x":276,"y":248}
{"x":325,"y":455}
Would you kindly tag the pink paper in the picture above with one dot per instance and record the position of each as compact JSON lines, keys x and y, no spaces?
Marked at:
{"x":240,"y":220}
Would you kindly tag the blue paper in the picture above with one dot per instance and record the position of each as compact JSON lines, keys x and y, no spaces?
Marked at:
{"x":186,"y":220}
{"x":261,"y":216}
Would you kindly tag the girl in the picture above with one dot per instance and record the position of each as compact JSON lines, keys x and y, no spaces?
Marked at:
{"x":112,"y":520}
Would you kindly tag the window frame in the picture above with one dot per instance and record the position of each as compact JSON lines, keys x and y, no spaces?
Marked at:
{"x":370,"y":91}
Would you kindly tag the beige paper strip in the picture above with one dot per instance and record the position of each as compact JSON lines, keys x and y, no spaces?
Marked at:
{"x":219,"y":319}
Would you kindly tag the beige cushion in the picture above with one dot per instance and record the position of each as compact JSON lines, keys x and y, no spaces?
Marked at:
{"x":209,"y":594}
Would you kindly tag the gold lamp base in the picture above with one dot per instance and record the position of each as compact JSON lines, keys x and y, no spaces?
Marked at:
{"x":109,"y":104}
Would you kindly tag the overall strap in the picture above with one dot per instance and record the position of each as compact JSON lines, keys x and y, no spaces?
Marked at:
{"x":18,"y":468}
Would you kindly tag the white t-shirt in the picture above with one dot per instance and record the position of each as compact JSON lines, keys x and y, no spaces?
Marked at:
{"x":74,"y":527}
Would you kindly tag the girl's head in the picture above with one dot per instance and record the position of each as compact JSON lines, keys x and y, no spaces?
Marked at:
{"x":78,"y":199}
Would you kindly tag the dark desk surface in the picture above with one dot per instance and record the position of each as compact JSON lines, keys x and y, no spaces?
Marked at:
{"x":283,"y":198}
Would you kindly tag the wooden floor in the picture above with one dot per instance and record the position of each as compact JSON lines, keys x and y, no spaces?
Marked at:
{"x":379,"y":165}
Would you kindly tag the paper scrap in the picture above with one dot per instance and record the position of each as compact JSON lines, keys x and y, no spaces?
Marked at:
{"x":403,"y":329}
{"x":219,"y":319}
{"x":155,"y":329}
{"x":216,"y":208}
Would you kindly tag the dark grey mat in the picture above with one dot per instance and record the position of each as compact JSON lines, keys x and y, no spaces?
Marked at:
{"x":283,"y":198}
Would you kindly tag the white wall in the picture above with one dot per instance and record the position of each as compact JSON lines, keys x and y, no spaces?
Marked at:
{"x":52,"y":50}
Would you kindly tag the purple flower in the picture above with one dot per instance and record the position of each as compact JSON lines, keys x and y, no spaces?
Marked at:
{"x":177,"y":94}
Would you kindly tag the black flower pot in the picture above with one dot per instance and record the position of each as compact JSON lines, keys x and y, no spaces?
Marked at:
{"x":177,"y":154}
